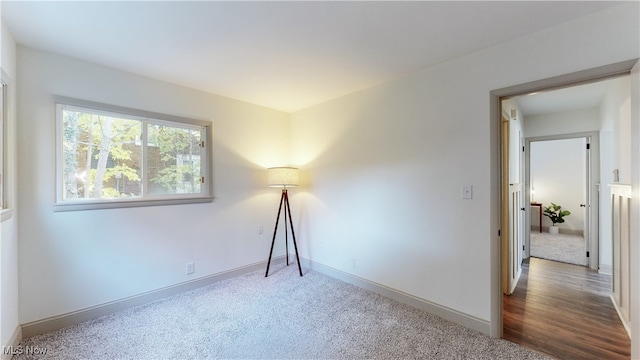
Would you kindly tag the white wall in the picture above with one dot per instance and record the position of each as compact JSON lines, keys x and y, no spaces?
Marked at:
{"x":615,"y":153}
{"x":616,"y":119}
{"x":385,"y":166}
{"x":382,"y":172}
{"x":516,"y":141}
{"x":8,"y":228}
{"x":558,"y":174}
{"x":566,"y":122}
{"x":74,"y":260}
{"x":612,"y":120}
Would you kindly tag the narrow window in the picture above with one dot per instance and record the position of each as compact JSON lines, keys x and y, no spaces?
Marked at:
{"x":3,"y":142}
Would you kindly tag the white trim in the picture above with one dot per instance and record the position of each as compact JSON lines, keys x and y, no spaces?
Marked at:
{"x":97,"y":205}
{"x":624,"y":322}
{"x":6,"y":182}
{"x":57,"y":322}
{"x":515,"y":281}
{"x":5,"y":214}
{"x":147,"y":118}
{"x":76,"y":317}
{"x":13,"y":343}
{"x":495,"y":96}
{"x":460,"y":318}
{"x":605,"y":269}
{"x":623,"y":190}
{"x":635,"y":211}
{"x":592,"y":223}
{"x":143,"y":114}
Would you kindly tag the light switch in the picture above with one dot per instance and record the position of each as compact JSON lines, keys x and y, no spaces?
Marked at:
{"x":467,"y":191}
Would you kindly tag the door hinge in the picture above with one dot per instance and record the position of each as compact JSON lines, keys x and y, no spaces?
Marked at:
{"x":498,"y":232}
{"x":523,"y":149}
{"x":202,"y":180}
{"x":588,"y":146}
{"x":587,"y":254}
{"x":522,"y":247}
{"x":202,"y":144}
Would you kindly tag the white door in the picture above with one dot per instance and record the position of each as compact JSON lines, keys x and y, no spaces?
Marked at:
{"x":516,"y":233}
{"x":567,"y":181}
{"x":587,"y":202}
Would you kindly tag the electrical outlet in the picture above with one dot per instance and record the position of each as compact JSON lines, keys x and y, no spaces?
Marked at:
{"x":467,"y":191}
{"x":191,"y":268}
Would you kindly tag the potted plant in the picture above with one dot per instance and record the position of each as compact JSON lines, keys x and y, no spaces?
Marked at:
{"x":556,"y":214}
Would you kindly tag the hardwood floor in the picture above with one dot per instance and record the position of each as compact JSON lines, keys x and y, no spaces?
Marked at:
{"x":565,"y":311}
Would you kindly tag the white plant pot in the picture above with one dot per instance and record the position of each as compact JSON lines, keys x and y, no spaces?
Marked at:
{"x":554,"y":230}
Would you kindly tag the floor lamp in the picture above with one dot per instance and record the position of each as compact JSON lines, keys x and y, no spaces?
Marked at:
{"x":283,"y":177}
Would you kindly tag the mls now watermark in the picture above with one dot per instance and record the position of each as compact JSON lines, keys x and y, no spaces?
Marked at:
{"x":24,"y":350}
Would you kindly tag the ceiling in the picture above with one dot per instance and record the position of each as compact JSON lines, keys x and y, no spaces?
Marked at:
{"x":282,"y":55}
{"x":586,"y":96}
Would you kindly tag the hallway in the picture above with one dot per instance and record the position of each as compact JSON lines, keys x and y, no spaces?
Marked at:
{"x":566,"y":248}
{"x":565,"y":311}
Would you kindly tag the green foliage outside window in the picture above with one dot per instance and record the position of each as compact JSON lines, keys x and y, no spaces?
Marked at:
{"x":103,"y":157}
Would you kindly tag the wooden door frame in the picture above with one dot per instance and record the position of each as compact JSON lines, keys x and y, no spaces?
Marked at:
{"x":495,"y":99}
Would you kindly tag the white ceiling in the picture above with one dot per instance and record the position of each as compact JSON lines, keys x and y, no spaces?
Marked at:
{"x":282,"y":55}
{"x":586,"y":96}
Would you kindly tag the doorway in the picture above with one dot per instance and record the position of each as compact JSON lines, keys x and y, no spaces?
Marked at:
{"x":588,"y":226}
{"x":563,"y":171}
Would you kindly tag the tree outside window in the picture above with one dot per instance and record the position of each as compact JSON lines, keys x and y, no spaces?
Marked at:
{"x":111,"y":156}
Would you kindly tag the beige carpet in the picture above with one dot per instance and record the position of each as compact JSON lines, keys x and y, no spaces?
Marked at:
{"x":562,"y":247}
{"x":284,"y":316}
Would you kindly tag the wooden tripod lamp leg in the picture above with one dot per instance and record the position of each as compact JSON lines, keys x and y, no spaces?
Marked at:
{"x":293,"y":235}
{"x":286,"y":233}
{"x":275,"y":231}
{"x":284,"y":200}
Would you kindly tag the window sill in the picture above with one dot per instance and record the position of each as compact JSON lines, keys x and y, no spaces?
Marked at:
{"x":5,"y":214}
{"x":79,"y":206}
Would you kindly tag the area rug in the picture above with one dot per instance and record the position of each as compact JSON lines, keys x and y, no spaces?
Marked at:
{"x":561,"y":247}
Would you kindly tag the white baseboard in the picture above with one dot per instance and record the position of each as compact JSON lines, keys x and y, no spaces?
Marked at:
{"x":515,"y":281}
{"x":545,"y":229}
{"x":15,"y":340}
{"x":76,"y":317}
{"x":625,"y":323}
{"x":468,"y":321}
{"x":605,"y":269}
{"x":80,"y":316}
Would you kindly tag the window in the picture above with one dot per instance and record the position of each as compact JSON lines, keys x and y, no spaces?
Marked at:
{"x":3,"y":142}
{"x":6,"y":171}
{"x":110,"y":156}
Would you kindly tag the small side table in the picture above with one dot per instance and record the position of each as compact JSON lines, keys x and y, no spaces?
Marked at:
{"x":539,"y":206}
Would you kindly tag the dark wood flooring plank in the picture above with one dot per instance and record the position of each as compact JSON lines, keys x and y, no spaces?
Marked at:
{"x":565,"y":311}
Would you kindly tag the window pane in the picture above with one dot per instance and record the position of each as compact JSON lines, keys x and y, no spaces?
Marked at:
{"x":174,"y":160}
{"x":2,"y":145}
{"x":102,"y":156}
{"x":110,"y":157}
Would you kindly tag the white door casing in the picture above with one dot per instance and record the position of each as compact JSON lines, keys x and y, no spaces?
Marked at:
{"x":591,"y":222}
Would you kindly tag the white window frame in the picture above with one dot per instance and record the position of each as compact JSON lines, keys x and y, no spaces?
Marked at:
{"x":206,"y":195}
{"x":3,"y":142}
{"x":5,"y":203}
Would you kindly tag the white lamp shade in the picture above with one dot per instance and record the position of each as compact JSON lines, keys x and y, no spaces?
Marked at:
{"x":283,"y":176}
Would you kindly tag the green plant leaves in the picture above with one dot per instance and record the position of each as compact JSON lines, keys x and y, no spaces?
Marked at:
{"x":555,"y":213}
